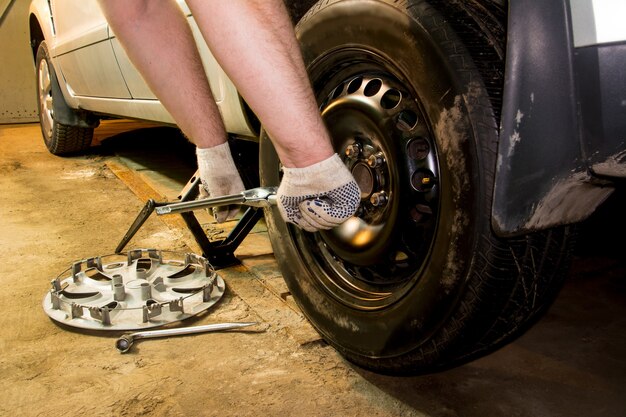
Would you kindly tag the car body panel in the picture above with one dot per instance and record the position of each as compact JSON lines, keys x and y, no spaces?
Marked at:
{"x":83,"y":51}
{"x":98,"y":76}
{"x":103,"y":81}
{"x":137,"y":86}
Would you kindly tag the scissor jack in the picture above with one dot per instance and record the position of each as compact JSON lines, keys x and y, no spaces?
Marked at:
{"x":219,"y":253}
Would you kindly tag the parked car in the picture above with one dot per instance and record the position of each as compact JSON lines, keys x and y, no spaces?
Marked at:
{"x":480,"y":132}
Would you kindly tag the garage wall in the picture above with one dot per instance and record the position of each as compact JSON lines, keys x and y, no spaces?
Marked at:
{"x":18,"y":102}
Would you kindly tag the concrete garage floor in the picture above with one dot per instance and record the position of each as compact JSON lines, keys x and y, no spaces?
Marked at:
{"x":57,"y":210}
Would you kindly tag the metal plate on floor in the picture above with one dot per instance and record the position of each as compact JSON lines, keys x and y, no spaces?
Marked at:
{"x":140,"y":289}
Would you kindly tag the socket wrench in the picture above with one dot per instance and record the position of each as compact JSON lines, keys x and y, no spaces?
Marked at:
{"x":124,"y":343}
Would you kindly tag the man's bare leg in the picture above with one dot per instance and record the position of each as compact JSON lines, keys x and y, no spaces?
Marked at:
{"x":158,"y":40}
{"x":317,"y":191}
{"x":254,"y":42}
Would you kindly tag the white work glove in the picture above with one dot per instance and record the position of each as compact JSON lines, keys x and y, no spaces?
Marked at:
{"x":219,"y":176}
{"x":318,"y":197}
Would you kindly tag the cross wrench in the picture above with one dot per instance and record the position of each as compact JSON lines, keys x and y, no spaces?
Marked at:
{"x":255,"y":197}
{"x":124,"y":343}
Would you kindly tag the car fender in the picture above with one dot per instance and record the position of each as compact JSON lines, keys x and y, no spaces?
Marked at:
{"x":41,"y":26}
{"x":40,"y":14}
{"x":542,"y":176}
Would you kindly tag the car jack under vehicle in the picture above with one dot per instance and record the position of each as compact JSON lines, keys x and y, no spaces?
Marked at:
{"x":219,"y":253}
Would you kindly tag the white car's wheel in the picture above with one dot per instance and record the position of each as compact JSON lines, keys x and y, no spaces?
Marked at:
{"x":59,"y":138}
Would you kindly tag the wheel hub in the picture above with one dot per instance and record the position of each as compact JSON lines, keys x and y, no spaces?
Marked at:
{"x":365,"y":179}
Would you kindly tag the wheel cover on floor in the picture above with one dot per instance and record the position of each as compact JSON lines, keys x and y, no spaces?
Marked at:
{"x":376,"y":121}
{"x":140,"y":289}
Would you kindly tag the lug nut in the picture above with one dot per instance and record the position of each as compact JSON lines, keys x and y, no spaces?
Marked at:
{"x":352,"y":151}
{"x":376,"y":160}
{"x":378,"y":199}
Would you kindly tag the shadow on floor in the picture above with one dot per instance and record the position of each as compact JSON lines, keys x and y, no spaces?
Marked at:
{"x":147,"y":147}
{"x":571,"y":363}
{"x":152,"y":148}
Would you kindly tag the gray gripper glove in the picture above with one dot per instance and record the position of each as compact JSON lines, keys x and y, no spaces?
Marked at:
{"x":219,"y":176}
{"x":318,"y":197}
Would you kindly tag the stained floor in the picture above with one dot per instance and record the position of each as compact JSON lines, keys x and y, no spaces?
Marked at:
{"x":56,"y":210}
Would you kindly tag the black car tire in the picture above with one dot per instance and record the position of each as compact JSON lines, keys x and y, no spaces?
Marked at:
{"x":60,"y":138}
{"x":418,"y":281}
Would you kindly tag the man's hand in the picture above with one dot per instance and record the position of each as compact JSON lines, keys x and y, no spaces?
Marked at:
{"x":219,"y":177}
{"x":320,"y":196}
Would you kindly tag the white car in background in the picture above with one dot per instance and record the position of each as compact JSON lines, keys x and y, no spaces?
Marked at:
{"x":480,"y":132}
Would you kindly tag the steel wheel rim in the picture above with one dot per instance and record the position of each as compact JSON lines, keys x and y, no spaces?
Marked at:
{"x":380,"y":129}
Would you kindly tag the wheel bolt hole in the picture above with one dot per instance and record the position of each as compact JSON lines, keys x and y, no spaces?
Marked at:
{"x":423,"y":180}
{"x":406,"y":120}
{"x":390,"y":99}
{"x":424,"y":209}
{"x":337,"y":92}
{"x":401,"y":257}
{"x":354,"y":85}
{"x":418,"y":149}
{"x":420,"y":213}
{"x":372,"y":88}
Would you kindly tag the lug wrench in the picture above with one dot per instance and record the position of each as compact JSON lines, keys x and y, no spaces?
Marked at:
{"x":254,"y":197}
{"x":124,"y":343}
